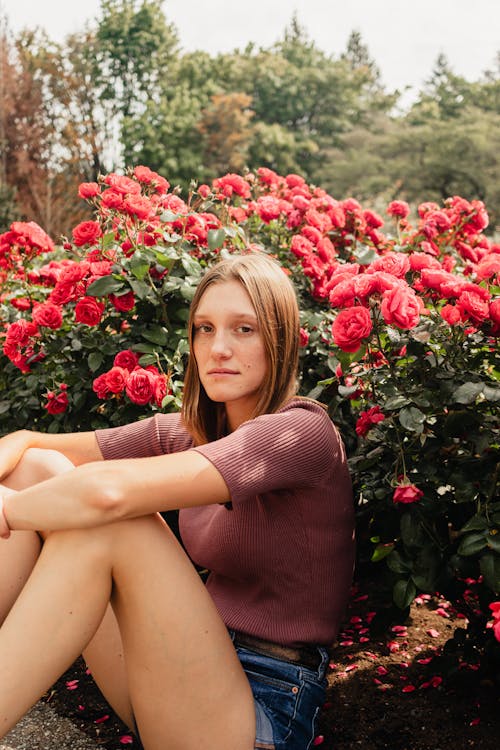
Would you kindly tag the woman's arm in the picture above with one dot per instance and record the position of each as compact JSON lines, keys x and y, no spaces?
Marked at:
{"x":98,"y":493}
{"x":79,"y":447}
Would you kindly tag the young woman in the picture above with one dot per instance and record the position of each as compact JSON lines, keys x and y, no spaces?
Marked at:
{"x":261,"y":480}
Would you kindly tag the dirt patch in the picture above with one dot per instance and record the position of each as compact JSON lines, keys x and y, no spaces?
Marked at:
{"x":386,"y":688}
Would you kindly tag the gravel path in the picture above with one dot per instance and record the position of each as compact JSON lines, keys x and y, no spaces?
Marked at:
{"x":43,"y":729}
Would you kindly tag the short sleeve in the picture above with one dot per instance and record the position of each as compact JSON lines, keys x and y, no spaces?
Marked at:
{"x":290,"y":449}
{"x":154,"y":436}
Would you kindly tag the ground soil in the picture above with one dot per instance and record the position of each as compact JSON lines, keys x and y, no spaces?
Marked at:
{"x":386,"y":687}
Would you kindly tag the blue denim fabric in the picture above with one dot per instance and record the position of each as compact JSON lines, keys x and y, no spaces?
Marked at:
{"x":287,"y":698}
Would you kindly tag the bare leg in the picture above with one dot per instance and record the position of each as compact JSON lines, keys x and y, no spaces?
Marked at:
{"x":18,"y":555}
{"x":186,"y":684}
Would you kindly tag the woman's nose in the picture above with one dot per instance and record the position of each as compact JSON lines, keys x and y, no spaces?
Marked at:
{"x":221,"y":346}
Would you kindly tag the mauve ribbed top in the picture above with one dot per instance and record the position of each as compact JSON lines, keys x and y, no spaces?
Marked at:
{"x":281,"y":559}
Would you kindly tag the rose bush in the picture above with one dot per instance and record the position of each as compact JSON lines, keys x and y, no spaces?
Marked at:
{"x":399,"y":338}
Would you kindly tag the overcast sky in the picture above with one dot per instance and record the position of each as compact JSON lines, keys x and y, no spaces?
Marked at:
{"x":403,"y":36}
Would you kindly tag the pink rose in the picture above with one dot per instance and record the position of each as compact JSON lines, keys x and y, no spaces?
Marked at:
{"x":350,"y":327}
{"x":401,"y":307}
{"x":451,"y":314}
{"x":472,"y":306}
{"x":89,"y":311}
{"x":406,"y":493}
{"x":140,"y":387}
{"x":100,"y":386}
{"x":304,"y":337}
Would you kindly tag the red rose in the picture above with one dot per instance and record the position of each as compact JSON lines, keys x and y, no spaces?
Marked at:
{"x":160,"y":389}
{"x":472,"y":306}
{"x":100,"y":386}
{"x":350,"y":327}
{"x":56,"y":404}
{"x":367,"y":419}
{"x":406,"y":493}
{"x":88,"y":190}
{"x":115,"y":379}
{"x":122,"y":184}
{"x":451,"y":314}
{"x":304,"y":337}
{"x":89,"y":311}
{"x":86,"y":233}
{"x":139,"y":206}
{"x":123,"y":302}
{"x":148,"y":177}
{"x":401,"y":209}
{"x":397,"y":264}
{"x":401,"y":307}
{"x":111,"y":198}
{"x":48,"y":315}
{"x":31,"y":235}
{"x":126,"y":359}
{"x":140,"y":386}
{"x":495,"y":311}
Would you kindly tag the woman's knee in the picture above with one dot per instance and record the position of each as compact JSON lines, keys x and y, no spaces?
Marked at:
{"x":35,"y":466}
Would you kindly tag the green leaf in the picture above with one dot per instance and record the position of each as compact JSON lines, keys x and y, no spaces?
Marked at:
{"x":412,"y":419}
{"x":404,"y":593}
{"x":468,"y":392}
{"x":191,"y":266}
{"x":215,"y":238}
{"x":489,"y":565}
{"x":476,"y":523}
{"x":169,"y":216}
{"x":139,"y":267}
{"x":491,"y":394}
{"x":493,"y":540}
{"x":381,"y":551}
{"x":4,"y":406}
{"x":395,"y":402}
{"x":94,"y":360}
{"x":412,"y":532}
{"x":157,"y":335}
{"x":148,"y":359}
{"x":105,"y":285}
{"x":471,"y":544}
{"x":396,"y":563}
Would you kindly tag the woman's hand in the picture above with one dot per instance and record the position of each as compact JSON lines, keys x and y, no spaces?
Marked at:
{"x":12,"y":448}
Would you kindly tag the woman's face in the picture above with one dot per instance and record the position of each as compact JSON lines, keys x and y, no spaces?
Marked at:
{"x":229,"y":349}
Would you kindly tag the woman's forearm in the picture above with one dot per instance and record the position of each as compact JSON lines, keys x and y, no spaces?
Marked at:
{"x":98,"y":493}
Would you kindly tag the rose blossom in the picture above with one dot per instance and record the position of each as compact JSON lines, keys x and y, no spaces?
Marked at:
{"x":367,"y":419}
{"x":100,"y":386}
{"x":140,"y":387}
{"x":88,"y":190}
{"x":472,"y":306}
{"x":401,"y":209}
{"x":451,"y":314}
{"x":123,"y":302}
{"x":89,"y":311}
{"x":350,"y":327}
{"x":86,"y":233}
{"x":126,"y":359}
{"x":406,"y":493}
{"x":304,"y":337}
{"x":57,"y":404}
{"x":48,"y":315}
{"x":116,"y":379}
{"x":401,"y":307}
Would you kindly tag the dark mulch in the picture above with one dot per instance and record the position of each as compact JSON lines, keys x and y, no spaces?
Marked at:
{"x":385,"y":688}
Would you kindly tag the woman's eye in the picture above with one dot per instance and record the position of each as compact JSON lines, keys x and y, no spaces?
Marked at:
{"x":203,"y":328}
{"x":245,"y":329}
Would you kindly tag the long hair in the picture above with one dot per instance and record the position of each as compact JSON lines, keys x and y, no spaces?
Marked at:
{"x":274,"y":300}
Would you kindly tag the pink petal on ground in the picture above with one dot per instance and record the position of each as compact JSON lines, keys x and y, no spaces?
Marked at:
{"x":399,"y":629}
{"x":442,"y":612}
{"x":72,"y":684}
{"x":382,"y":670}
{"x":433,"y":633}
{"x":393,"y":646}
{"x":436,"y":681}
{"x":351,"y":667}
{"x":474,"y":722}
{"x":318,"y":740}
{"x":425,"y":661}
{"x":126,"y":739}
{"x":361,"y":598}
{"x":364,"y":639}
{"x":408,"y":689}
{"x":101,"y":719}
{"x":355,"y":620}
{"x":81,"y":708}
{"x":346,"y":643}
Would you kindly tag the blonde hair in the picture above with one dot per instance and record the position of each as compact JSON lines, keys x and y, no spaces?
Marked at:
{"x":274,"y":300}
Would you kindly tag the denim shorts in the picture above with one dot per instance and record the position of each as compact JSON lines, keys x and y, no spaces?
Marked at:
{"x":287,"y":699}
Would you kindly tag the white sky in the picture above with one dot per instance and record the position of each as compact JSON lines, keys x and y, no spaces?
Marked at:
{"x":404,"y":37}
